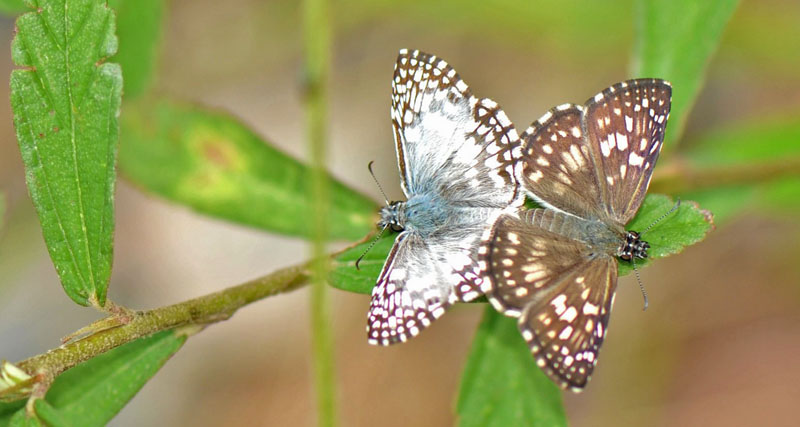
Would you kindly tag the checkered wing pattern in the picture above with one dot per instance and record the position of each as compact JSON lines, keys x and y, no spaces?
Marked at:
{"x":405,"y":299}
{"x":557,"y":167}
{"x":457,"y":156}
{"x":625,"y":126}
{"x":449,"y":142}
{"x":559,"y":290}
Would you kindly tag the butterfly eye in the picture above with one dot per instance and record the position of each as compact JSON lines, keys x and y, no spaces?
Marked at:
{"x":396,"y":227}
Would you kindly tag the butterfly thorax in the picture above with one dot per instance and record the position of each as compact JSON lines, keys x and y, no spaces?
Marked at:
{"x":633,"y":247}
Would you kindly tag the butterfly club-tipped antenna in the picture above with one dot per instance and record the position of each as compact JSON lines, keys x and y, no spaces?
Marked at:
{"x":380,"y":233}
{"x":374,"y":241}
{"x":662,"y":217}
{"x":641,"y":285}
{"x":369,"y":166}
{"x":633,"y":259}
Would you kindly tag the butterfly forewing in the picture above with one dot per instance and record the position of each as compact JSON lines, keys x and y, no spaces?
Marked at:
{"x":625,"y":126}
{"x":449,"y":141}
{"x":557,"y":168}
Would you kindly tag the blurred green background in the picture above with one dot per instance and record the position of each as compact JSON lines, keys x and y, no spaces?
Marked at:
{"x":717,"y":346}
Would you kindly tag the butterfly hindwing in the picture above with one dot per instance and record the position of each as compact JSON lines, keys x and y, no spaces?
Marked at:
{"x":560,"y":291}
{"x":625,"y":125}
{"x":409,"y":295}
{"x":565,"y":328}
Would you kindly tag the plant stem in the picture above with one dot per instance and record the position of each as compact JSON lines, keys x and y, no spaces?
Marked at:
{"x":317,"y":46}
{"x":679,"y":177}
{"x":199,"y":311}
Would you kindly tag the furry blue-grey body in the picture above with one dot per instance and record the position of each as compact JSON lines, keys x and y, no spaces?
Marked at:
{"x":426,"y":214}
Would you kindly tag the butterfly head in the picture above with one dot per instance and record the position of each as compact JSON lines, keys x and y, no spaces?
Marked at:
{"x":633,"y":247}
{"x":393,"y":216}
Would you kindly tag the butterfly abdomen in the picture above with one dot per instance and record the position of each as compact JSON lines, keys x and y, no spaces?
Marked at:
{"x":597,"y":235}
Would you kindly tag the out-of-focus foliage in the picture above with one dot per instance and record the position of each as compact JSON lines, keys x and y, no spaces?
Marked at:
{"x":139,"y":31}
{"x":675,"y":40}
{"x":211,"y":162}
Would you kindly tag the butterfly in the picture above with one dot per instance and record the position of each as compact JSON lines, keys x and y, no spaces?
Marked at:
{"x":457,"y":156}
{"x":555,"y":269}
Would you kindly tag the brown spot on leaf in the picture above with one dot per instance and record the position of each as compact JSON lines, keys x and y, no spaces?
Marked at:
{"x":215,"y":153}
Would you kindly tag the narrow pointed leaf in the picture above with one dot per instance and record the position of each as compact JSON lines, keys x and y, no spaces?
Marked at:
{"x":212,"y":163}
{"x":675,"y":40}
{"x":501,"y":385}
{"x":65,"y":104}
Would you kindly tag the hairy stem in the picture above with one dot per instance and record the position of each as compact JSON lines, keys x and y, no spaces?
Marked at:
{"x":199,"y":311}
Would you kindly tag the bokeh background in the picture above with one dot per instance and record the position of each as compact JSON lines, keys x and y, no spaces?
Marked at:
{"x":718,"y":345}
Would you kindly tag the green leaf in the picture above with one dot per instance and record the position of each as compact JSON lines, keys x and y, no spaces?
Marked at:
{"x":674,"y":41}
{"x":13,"y":7}
{"x":684,"y":227}
{"x":8,"y":410}
{"x":65,"y":103}
{"x":93,"y":392}
{"x":501,"y":385}
{"x":50,"y":415}
{"x":139,"y":32}
{"x":209,"y":161}
{"x":344,"y":275}
{"x":21,"y":419}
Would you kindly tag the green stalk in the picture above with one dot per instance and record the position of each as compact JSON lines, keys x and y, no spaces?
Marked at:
{"x":317,"y":45}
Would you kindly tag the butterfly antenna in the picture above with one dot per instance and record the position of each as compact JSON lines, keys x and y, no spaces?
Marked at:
{"x":641,"y":285}
{"x":674,"y":208}
{"x":369,"y":166}
{"x":380,"y":233}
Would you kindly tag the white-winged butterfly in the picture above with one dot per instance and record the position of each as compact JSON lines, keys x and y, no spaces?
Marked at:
{"x":456,"y":155}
